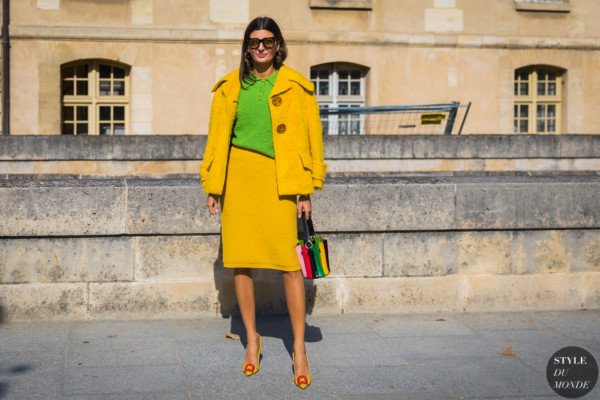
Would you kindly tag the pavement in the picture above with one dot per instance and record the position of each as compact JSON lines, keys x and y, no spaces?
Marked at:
{"x":424,"y":356}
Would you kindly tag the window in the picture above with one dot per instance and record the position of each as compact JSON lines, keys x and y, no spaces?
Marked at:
{"x":95,"y":98}
{"x":340,"y":85}
{"x":538,"y":100}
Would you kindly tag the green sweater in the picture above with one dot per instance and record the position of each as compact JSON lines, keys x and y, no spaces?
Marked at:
{"x":252,"y":129}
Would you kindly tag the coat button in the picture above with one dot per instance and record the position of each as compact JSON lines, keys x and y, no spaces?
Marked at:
{"x":281,"y":128}
{"x":276,"y":101}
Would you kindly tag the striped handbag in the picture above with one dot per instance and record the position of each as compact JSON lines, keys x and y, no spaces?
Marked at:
{"x":312,"y":251}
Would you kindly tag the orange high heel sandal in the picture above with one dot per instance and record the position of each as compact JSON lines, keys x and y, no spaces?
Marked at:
{"x":250,"y":369}
{"x":302,"y":381}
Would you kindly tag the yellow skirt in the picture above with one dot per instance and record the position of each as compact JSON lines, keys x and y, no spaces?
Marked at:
{"x":258,"y":227}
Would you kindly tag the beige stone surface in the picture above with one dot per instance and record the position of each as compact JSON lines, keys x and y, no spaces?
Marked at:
{"x":443,"y":20}
{"x":125,"y":168}
{"x":141,"y":109}
{"x":42,"y":301}
{"x":100,"y":168}
{"x":230,"y":11}
{"x":59,"y":209}
{"x":142,"y":12}
{"x":590,"y":290}
{"x":355,"y":255}
{"x":543,"y":251}
{"x":66,"y":260}
{"x":484,"y":252}
{"x":326,"y":296}
{"x":524,"y":292}
{"x":150,"y":300}
{"x":404,"y":295}
{"x":177,"y":258}
{"x":48,"y":4}
{"x":420,"y":254}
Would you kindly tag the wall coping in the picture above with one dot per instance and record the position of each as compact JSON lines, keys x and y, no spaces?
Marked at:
{"x":190,"y":147}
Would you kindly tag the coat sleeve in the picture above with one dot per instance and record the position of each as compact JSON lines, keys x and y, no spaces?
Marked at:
{"x":315,"y":137}
{"x":209,"y":149}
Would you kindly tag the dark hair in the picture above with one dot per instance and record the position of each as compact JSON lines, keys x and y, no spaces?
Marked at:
{"x":257,"y":24}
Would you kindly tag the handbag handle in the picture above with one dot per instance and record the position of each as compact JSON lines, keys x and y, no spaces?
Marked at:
{"x":308,"y":230}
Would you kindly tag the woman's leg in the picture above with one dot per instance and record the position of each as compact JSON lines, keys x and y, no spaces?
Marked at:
{"x":296,"y":301}
{"x":244,"y":291}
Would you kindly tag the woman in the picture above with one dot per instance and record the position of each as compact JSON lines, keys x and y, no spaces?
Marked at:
{"x":263,"y":160}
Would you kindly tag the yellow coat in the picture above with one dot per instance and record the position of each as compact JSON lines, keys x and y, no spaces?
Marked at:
{"x":297,"y":134}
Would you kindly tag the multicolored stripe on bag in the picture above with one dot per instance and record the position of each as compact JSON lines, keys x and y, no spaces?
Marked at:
{"x":314,"y":257}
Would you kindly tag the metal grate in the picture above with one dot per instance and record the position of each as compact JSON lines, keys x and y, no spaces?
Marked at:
{"x":435,"y":119}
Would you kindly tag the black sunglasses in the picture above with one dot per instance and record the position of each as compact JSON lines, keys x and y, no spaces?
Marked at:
{"x":269,"y":42}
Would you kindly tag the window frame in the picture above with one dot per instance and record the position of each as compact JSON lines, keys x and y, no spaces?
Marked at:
{"x":331,"y":124}
{"x":94,"y":99}
{"x":533,"y":100}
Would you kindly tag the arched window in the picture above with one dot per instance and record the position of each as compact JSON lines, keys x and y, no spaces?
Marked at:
{"x":538,"y":99}
{"x":340,"y":85}
{"x":95,"y":98}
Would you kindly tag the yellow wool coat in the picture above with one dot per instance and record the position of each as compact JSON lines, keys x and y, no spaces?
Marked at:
{"x":296,"y":128}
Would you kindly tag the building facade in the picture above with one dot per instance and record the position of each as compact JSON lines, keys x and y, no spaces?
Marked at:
{"x":140,"y":67}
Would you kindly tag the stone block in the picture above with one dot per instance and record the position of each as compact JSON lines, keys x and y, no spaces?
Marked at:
{"x":62,"y":208}
{"x":355,"y":255}
{"x":177,"y":258}
{"x":40,"y":301}
{"x":540,"y":252}
{"x":443,"y":20}
{"x":168,"y":206}
{"x":558,"y":291}
{"x":528,"y":204}
{"x":230,"y":11}
{"x":404,"y":295}
{"x":419,"y":254}
{"x":380,"y":207}
{"x":484,"y":252}
{"x":590,"y":290}
{"x":325,"y":296}
{"x":91,"y":259}
{"x":109,"y":148}
{"x":151,"y":300}
{"x":583,"y":249}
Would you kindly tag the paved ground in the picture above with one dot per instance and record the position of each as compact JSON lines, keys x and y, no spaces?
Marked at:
{"x":439,"y":356}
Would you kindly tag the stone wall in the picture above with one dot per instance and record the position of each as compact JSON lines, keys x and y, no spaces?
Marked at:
{"x":165,"y":155}
{"x":147,"y":248}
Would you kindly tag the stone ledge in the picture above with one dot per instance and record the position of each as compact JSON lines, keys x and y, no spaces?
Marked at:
{"x":367,"y":147}
{"x":152,"y":300}
{"x":152,"y":259}
{"x":371,"y":204}
{"x":338,"y":38}
{"x":52,"y":260}
{"x":63,"y":208}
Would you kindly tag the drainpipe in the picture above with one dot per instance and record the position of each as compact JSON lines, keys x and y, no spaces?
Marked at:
{"x":5,"y":68}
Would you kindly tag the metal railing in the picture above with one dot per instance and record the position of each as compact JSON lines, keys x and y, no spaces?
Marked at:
{"x":440,"y":119}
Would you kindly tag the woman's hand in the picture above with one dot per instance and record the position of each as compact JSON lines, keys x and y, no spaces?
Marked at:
{"x":305,"y":205}
{"x":212,"y":202}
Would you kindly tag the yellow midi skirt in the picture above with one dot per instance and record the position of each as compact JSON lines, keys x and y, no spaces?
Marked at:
{"x":258,"y":227}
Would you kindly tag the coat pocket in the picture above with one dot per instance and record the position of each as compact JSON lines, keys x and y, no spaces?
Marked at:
{"x":205,"y":167}
{"x":306,"y":161}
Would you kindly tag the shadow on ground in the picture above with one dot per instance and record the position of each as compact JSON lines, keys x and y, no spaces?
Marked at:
{"x":18,"y":369}
{"x":270,"y":301}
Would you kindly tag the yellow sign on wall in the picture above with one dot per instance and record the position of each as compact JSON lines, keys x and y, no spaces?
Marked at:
{"x":432,"y":119}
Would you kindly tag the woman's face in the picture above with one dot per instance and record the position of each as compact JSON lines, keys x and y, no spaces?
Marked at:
{"x":262,"y":55}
